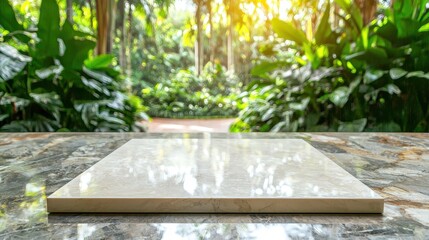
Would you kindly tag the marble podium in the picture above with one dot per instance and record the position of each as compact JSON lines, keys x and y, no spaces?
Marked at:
{"x":215,"y":176}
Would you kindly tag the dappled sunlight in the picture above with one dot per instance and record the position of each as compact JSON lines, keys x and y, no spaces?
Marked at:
{"x":189,"y":125}
{"x":274,"y":66}
{"x":30,"y":208}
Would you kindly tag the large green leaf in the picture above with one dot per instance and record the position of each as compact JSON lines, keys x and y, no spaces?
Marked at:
{"x":406,"y":15}
{"x":67,"y":32}
{"x":39,"y":123}
{"x":268,"y":114}
{"x":390,"y":88}
{"x":404,"y":8}
{"x":407,"y":28}
{"x":424,"y":28}
{"x":388,"y":31}
{"x":418,"y":74}
{"x":49,"y":71}
{"x":12,"y":62}
{"x":44,"y":96}
{"x":7,"y":17}
{"x":372,"y":75}
{"x":423,"y":14}
{"x":99,"y":76}
{"x":349,"y":7}
{"x":288,"y":31}
{"x":99,"y":62}
{"x":77,"y":47}
{"x":396,"y":73}
{"x":77,"y":51}
{"x":278,"y":127}
{"x":323,"y":73}
{"x":324,"y":30}
{"x":49,"y":101}
{"x":374,"y":56}
{"x":8,"y":21}
{"x":299,"y":106}
{"x":354,"y":126}
{"x":48,"y":29}
{"x":96,"y":87}
{"x":265,"y":67}
{"x":340,"y":96}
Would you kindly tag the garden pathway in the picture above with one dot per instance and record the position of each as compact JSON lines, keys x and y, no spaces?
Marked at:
{"x":189,"y":125}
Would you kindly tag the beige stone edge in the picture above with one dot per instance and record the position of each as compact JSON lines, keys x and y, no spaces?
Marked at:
{"x":215,"y":205}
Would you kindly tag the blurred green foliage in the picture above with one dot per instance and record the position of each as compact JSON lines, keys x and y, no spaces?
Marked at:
{"x":320,"y":72}
{"x":186,"y":95}
{"x":49,"y":82}
{"x":157,"y":53}
{"x":349,"y":77}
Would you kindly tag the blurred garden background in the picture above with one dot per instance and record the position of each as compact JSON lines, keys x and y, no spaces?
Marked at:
{"x":270,"y":65}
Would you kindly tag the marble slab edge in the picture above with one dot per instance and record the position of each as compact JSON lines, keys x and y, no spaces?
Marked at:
{"x":214,"y":205}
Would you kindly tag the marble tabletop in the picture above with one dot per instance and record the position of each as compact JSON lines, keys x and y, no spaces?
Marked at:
{"x":34,"y":165}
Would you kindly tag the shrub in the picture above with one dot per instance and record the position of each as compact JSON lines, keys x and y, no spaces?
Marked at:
{"x":353,"y":78}
{"x":186,"y":95}
{"x":48,"y":83}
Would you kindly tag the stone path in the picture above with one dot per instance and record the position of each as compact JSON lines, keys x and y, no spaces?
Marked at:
{"x":189,"y":125}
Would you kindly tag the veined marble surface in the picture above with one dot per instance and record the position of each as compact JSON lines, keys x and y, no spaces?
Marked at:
{"x":34,"y":165}
{"x":185,"y":175}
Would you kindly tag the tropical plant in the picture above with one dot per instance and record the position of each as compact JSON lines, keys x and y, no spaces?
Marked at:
{"x":350,"y":78}
{"x":186,"y":95}
{"x":155,"y":56}
{"x":49,"y":82}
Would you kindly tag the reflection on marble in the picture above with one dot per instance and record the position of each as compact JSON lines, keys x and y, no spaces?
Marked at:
{"x":33,"y":165}
{"x":216,"y":175}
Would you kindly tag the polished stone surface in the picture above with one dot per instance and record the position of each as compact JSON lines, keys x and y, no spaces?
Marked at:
{"x":186,"y":175}
{"x":32,"y":166}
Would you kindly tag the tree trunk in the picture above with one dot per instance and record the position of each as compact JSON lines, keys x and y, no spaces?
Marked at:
{"x":335,"y":13}
{"x":199,"y":40}
{"x":267,"y":21}
{"x":230,"y":48}
{"x":368,"y":8}
{"x":69,"y":11}
{"x":103,"y":18}
{"x":111,"y":26}
{"x":211,"y":40}
{"x":91,"y":18}
{"x":123,"y":31}
{"x":129,"y":39}
{"x":278,"y":8}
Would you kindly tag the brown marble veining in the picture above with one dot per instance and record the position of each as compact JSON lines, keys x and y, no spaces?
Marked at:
{"x":34,"y":165}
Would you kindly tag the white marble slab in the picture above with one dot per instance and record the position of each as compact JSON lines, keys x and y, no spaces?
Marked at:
{"x":216,"y":175}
